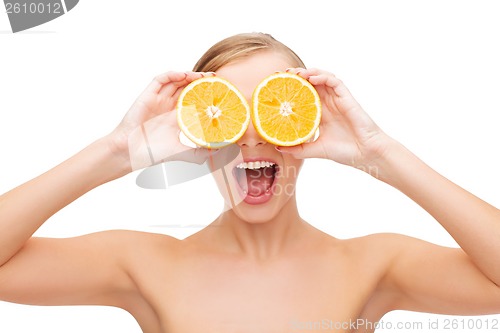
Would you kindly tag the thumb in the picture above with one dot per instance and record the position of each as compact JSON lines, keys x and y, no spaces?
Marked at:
{"x":304,"y":150}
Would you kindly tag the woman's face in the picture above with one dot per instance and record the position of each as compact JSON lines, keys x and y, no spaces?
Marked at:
{"x":261,"y":180}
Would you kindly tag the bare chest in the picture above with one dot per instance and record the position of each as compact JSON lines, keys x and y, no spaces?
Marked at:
{"x":285,"y":296}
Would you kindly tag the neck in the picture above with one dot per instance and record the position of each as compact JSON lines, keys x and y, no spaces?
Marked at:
{"x":262,"y":240}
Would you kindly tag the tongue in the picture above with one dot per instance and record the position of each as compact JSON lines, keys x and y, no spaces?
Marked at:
{"x":259,"y":181}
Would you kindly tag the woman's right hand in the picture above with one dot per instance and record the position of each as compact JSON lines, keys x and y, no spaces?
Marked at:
{"x":149,"y":133}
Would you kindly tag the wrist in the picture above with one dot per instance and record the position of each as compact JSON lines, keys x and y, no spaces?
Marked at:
{"x":394,"y":163}
{"x":110,"y":161}
{"x":376,"y":158}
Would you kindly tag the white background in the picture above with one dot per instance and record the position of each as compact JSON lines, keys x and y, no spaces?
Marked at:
{"x":426,"y":71}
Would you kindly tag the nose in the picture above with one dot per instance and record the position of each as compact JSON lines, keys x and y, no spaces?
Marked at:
{"x":251,"y":138}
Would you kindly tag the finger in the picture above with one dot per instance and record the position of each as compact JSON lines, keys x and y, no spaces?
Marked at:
{"x":172,"y":91}
{"x":193,"y":76}
{"x":343,"y":103}
{"x":170,"y":77}
{"x":161,"y":80}
{"x":315,"y":71}
{"x":337,"y":87}
{"x":307,"y":73}
{"x":331,"y":81}
{"x":304,"y":150}
{"x":296,"y":70}
{"x":175,"y":95}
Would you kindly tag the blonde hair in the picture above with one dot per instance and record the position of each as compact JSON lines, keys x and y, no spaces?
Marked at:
{"x":240,"y":46}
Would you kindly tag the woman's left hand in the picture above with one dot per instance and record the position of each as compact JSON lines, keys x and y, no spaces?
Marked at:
{"x":347,"y":134}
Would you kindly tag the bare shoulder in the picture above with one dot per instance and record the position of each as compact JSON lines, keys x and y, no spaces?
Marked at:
{"x":94,"y":268}
{"x":392,"y":246}
{"x":376,"y":252}
{"x":154,"y":239}
{"x":132,"y":250}
{"x":378,"y":241}
{"x":126,"y":240}
{"x":381,"y":243}
{"x":137,"y":245}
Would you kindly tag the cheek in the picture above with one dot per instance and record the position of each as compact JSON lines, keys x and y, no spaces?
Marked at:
{"x":290,"y":169}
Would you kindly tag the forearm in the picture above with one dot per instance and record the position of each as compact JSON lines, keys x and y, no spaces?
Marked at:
{"x":24,"y":209}
{"x":473,"y":223}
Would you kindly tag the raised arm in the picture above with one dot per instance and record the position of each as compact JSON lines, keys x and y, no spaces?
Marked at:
{"x":55,"y":271}
{"x":472,"y":222}
{"x":422,"y":273}
{"x":24,"y":209}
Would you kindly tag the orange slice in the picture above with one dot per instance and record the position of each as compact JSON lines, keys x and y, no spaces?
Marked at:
{"x":212,"y":113}
{"x":286,"y":109}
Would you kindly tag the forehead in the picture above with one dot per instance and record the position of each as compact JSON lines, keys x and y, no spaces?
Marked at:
{"x":248,"y":72}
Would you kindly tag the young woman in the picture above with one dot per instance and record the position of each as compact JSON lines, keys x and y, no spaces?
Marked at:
{"x":262,"y":268}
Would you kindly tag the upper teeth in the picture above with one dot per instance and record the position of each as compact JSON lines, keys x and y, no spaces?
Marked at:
{"x":255,"y":165}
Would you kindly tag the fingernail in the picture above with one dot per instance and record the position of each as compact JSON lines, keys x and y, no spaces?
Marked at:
{"x":278,"y":148}
{"x":288,"y":69}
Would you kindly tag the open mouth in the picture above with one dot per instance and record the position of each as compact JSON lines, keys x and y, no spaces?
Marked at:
{"x":256,"y":178}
